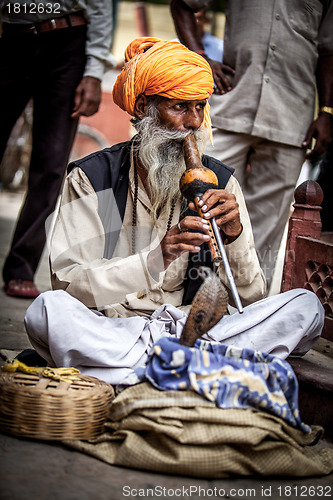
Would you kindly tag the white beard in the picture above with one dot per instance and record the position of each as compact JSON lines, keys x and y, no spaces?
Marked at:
{"x":160,"y":153}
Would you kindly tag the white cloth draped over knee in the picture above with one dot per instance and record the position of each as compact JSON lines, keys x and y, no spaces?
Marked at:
{"x":283,"y":324}
{"x":66,"y":333}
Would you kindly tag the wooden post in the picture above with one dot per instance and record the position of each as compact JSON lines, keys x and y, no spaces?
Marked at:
{"x":305,"y":221}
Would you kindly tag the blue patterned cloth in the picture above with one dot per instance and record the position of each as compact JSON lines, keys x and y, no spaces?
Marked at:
{"x":229,"y":376}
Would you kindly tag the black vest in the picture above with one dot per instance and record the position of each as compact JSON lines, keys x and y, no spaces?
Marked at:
{"x":109,"y":169}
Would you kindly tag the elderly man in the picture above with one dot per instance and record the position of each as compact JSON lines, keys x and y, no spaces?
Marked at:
{"x":126,"y":247}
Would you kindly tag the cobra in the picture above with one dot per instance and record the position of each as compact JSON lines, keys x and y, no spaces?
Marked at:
{"x":209,"y":305}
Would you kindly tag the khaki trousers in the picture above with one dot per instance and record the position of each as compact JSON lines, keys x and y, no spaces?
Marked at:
{"x":267,"y":172}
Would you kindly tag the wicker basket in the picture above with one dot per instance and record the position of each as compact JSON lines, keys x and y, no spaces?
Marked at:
{"x":38,"y":407}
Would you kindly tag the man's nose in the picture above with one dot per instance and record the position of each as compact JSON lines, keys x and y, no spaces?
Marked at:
{"x":193,"y":119}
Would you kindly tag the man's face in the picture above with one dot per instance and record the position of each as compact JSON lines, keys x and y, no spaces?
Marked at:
{"x":162,"y":126}
{"x":181,"y":115}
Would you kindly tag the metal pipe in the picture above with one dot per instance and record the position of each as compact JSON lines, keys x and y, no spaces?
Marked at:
{"x":227,"y":268}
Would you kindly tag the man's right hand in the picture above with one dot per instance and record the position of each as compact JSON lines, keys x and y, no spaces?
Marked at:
{"x":177,"y":241}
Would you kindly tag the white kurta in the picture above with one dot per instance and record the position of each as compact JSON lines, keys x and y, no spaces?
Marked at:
{"x":121,"y":286}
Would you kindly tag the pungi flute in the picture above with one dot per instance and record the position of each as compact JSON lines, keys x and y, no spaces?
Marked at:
{"x":193,"y":184}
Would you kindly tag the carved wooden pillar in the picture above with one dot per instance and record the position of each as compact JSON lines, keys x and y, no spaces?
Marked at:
{"x":305,"y":221}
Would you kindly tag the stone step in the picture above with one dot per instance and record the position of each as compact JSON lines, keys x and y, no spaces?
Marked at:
{"x":314,"y":372}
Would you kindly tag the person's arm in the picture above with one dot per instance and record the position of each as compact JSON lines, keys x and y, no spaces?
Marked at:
{"x":229,"y":209}
{"x":186,"y":28}
{"x":234,"y":222}
{"x":321,"y":128}
{"x":231,"y":215}
{"x":88,"y":93}
{"x":77,"y":260}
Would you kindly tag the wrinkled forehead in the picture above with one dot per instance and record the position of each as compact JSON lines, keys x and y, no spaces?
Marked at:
{"x":166,"y":101}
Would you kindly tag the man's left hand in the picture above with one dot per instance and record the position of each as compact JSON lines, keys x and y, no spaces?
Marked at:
{"x":88,"y":96}
{"x":223,"y":206}
{"x":321,"y":129}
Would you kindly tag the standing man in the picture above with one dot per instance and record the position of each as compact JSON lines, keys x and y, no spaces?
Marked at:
{"x":275,"y":53}
{"x":54,"y":53}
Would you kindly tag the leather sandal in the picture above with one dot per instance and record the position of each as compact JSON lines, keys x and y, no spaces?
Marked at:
{"x":21,"y":288}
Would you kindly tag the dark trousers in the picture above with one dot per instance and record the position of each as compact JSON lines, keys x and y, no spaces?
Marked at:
{"x":47,"y":67}
{"x":325,"y":180}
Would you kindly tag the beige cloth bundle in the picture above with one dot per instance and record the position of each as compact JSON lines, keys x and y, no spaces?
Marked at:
{"x":178,"y":432}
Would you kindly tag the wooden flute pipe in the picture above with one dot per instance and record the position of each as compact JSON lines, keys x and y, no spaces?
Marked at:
{"x":212,"y":243}
{"x":193,"y":184}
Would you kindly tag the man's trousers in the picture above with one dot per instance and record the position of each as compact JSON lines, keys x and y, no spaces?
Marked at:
{"x":46,"y":67}
{"x":66,"y":333}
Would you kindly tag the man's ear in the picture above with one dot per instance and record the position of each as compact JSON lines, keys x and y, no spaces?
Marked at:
{"x":140,"y":106}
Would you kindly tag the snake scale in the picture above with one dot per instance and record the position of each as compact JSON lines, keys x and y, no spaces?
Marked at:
{"x":209,"y":305}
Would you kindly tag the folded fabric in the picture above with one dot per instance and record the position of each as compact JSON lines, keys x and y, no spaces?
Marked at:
{"x":229,"y":376}
{"x":180,"y":432}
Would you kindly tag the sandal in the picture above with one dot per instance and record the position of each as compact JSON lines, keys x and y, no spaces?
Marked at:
{"x":21,"y":288}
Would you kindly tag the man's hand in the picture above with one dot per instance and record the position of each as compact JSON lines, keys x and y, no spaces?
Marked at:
{"x":177,"y":241}
{"x":188,"y":33}
{"x":221,"y":80}
{"x":223,"y":206}
{"x":321,"y":129}
{"x":87,"y":98}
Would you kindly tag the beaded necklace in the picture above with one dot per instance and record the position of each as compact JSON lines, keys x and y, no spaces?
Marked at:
{"x":135,"y":203}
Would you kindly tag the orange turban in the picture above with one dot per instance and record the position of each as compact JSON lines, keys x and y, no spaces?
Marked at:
{"x":160,"y":67}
